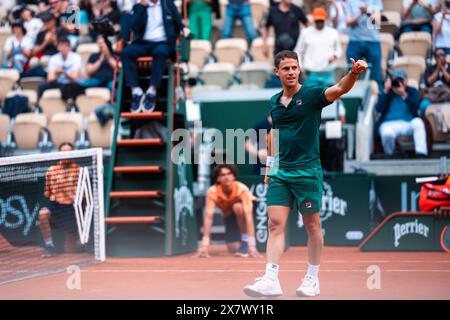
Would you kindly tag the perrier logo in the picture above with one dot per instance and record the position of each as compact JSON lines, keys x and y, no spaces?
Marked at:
{"x":413,"y":227}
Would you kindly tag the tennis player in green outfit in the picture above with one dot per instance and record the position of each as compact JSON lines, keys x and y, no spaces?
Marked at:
{"x":296,"y":173}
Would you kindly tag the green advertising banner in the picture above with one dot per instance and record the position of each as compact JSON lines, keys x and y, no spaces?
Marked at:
{"x":407,"y":232}
{"x":344,"y":214}
{"x":256,"y":185}
{"x":345,"y":211}
{"x":184,"y":223}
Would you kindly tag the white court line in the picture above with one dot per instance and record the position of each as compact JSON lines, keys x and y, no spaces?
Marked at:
{"x":254,"y":270}
{"x":336,"y":261}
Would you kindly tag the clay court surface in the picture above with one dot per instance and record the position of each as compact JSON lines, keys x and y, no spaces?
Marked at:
{"x":343,"y":275}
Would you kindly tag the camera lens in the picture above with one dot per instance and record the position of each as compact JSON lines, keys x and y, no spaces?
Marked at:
{"x":396,"y":83}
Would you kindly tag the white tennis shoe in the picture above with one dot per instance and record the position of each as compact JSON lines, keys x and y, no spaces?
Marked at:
{"x":309,"y":287}
{"x":264,"y":287}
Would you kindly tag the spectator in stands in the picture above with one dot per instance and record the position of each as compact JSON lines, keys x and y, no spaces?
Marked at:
{"x":399,"y":105}
{"x":100,"y":67}
{"x":235,"y":201}
{"x":17,"y":47}
{"x":284,"y":18}
{"x":46,"y":40}
{"x":338,"y":15}
{"x":155,"y":28}
{"x":437,"y":79}
{"x":60,"y":188}
{"x":200,"y":17}
{"x":238,"y":9}
{"x":439,"y":73}
{"x":32,"y":24}
{"x":43,"y":6}
{"x":364,"y":41}
{"x":106,"y":8}
{"x":64,"y":71}
{"x":318,"y":47}
{"x":45,"y":45}
{"x":418,"y":14}
{"x":442,"y":28}
{"x":257,"y":148}
{"x":65,"y":15}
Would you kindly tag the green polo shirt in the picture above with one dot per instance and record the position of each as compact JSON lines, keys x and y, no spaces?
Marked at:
{"x":298,"y":125}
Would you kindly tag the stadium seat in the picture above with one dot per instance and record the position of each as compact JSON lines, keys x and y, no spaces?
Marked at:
{"x":3,"y":12}
{"x":64,"y":127}
{"x":99,"y":136}
{"x":4,"y":127}
{"x":258,"y":8}
{"x":393,"y":24}
{"x":8,"y":77}
{"x":387,"y":44}
{"x":415,"y":43}
{"x":51,"y":102}
{"x":392,"y":5}
{"x":413,"y":83}
{"x":219,"y":74}
{"x":92,"y":99}
{"x":414,"y":66}
{"x":31,"y":83}
{"x":27,"y":129}
{"x":42,"y":61}
{"x":30,"y":94}
{"x":192,"y":71}
{"x":255,"y":73}
{"x":85,"y":50}
{"x":199,"y":89}
{"x":200,"y":51}
{"x":256,"y":50}
{"x":4,"y":34}
{"x":243,"y":87}
{"x":230,"y":50}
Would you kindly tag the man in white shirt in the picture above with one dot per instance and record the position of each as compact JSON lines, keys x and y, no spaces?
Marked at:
{"x":318,"y":47}
{"x":156,"y":25}
{"x":64,"y":71}
{"x":17,"y":47}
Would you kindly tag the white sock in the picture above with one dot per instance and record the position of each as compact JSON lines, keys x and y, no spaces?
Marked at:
{"x":244,"y":237}
{"x":49,"y":242}
{"x":151,"y":90}
{"x":272,"y":270}
{"x":137,"y":91}
{"x":313,"y":270}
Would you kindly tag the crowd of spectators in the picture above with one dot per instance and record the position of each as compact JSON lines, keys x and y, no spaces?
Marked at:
{"x":45,"y":37}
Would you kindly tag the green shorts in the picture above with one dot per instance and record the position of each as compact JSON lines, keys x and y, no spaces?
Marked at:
{"x":302,"y":185}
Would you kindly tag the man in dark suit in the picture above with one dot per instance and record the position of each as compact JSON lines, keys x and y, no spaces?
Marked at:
{"x":155,"y":24}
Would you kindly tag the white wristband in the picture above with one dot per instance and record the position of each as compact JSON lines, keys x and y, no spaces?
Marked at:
{"x":205,"y":241}
{"x":251,"y":241}
{"x":270,"y":161}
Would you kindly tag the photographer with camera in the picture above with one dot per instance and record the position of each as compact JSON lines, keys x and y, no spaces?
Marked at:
{"x":156,"y":24}
{"x":399,"y":105}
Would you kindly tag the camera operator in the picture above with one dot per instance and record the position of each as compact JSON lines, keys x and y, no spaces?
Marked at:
{"x":156,"y":24}
{"x":399,"y":105}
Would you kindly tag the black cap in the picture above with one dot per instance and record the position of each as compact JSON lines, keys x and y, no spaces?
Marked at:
{"x":47,"y":16}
